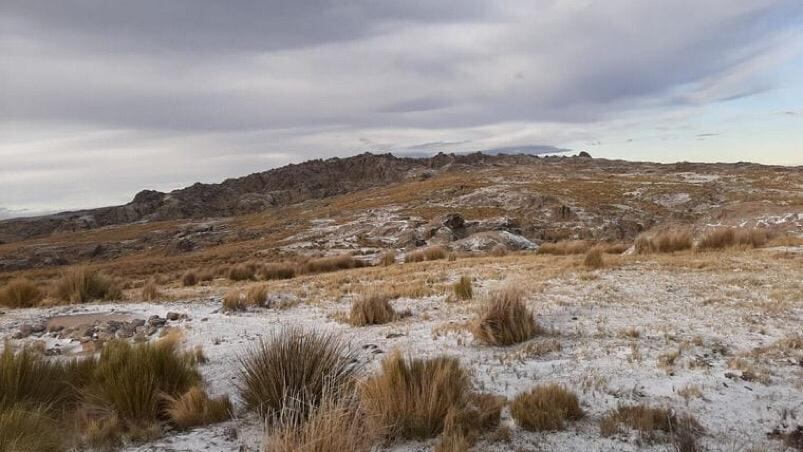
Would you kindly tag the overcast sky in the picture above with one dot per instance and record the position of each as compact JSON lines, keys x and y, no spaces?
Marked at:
{"x":100,"y":99}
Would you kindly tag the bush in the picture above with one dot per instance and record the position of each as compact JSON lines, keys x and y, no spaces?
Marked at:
{"x":667,"y":241}
{"x":593,"y":258}
{"x":234,"y":300}
{"x":189,"y":279}
{"x":430,"y":253}
{"x":23,"y":430}
{"x":545,"y":408}
{"x":80,"y":285}
{"x":136,"y":381}
{"x":505,"y":319}
{"x":284,"y":270}
{"x":195,"y":408}
{"x":20,"y":293}
{"x":331,"y":263}
{"x":413,"y":397}
{"x":293,"y":369}
{"x":372,"y":308}
{"x":338,"y":424}
{"x":242,"y":272}
{"x":463,"y":289}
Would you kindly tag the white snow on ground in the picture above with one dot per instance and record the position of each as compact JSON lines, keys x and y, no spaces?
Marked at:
{"x":707,"y":313}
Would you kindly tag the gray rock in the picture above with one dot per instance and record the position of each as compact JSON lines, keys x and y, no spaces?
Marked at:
{"x":173,"y":316}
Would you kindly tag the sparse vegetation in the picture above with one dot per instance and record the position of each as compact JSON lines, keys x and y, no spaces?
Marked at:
{"x":242,"y":272}
{"x":81,"y":284}
{"x":293,"y":369}
{"x":372,"y":308}
{"x":463,"y":289}
{"x":430,"y":253}
{"x":331,"y":263}
{"x":651,"y":421}
{"x":565,"y":247}
{"x":278,"y":270}
{"x":150,"y":291}
{"x":23,"y":430}
{"x":20,"y":293}
{"x":257,"y":295}
{"x":387,"y":258}
{"x":234,"y":301}
{"x":666,"y":241}
{"x":195,"y":408}
{"x":593,"y":258}
{"x":546,"y":408}
{"x":724,"y":237}
{"x":189,"y":279}
{"x":505,"y":319}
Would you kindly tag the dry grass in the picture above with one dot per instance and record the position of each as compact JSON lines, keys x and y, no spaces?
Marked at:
{"x":463,"y":289}
{"x":20,"y":293}
{"x":29,"y":380}
{"x":504,"y":319}
{"x":430,"y":253}
{"x":81,"y":284}
{"x":195,"y":408}
{"x":29,"y":430}
{"x":545,"y":408}
{"x":338,"y":424}
{"x":151,"y":292}
{"x":331,"y":263}
{"x":372,"y":308}
{"x":650,"y":422}
{"x":278,"y":270}
{"x":666,"y":241}
{"x":189,"y":279}
{"x":257,"y":295}
{"x":565,"y":247}
{"x":387,"y":258}
{"x":242,"y":272}
{"x":593,"y":258}
{"x":292,"y":370}
{"x":234,"y":301}
{"x":414,"y":397}
{"x":719,"y":238}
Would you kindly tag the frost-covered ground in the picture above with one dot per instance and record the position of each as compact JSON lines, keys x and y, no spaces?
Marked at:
{"x":611,"y":331}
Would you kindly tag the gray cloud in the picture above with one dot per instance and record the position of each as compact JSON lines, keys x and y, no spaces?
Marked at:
{"x":124,"y":95}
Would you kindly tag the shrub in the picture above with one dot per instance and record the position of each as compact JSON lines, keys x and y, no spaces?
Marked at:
{"x":667,"y":241}
{"x":151,"y":292}
{"x":593,"y":258}
{"x":430,"y":253}
{"x":413,"y":397}
{"x":234,"y":300}
{"x":189,"y":279}
{"x":338,"y":424}
{"x":80,"y":285}
{"x":135,"y":381}
{"x":331,"y":263}
{"x":195,"y":408}
{"x":241,"y":272}
{"x":20,"y":293}
{"x":283,"y":270}
{"x":257,"y":295}
{"x":565,"y":247}
{"x":505,"y":319}
{"x":292,"y":370}
{"x":719,"y":238}
{"x":387,"y":258}
{"x":372,"y":308}
{"x":545,"y":408}
{"x":23,"y":430}
{"x":463,"y":289}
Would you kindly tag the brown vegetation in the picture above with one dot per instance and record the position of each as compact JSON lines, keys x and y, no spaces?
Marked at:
{"x":650,"y":421}
{"x":593,"y":258}
{"x":387,"y":258}
{"x":724,"y":237}
{"x":257,"y":295}
{"x":81,"y":284}
{"x":20,"y":293}
{"x":195,"y":407}
{"x":331,"y":263}
{"x":189,"y":279}
{"x":666,"y":241}
{"x":545,"y":408}
{"x":242,"y":272}
{"x":463,"y":289}
{"x":278,"y":270}
{"x":150,"y":291}
{"x":430,"y":253}
{"x":234,"y":301}
{"x":565,"y":247}
{"x":372,"y":308}
{"x":505,"y":319}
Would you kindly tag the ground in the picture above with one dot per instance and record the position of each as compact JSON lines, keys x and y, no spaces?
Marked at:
{"x":716,"y":335}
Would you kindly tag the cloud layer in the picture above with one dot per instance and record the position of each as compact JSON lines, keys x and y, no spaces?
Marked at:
{"x":124,"y":95}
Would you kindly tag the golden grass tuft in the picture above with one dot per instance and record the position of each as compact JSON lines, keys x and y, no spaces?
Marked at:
{"x":504,"y":319}
{"x":724,"y":237}
{"x":565,"y":247}
{"x":20,"y":293}
{"x":463,"y":289}
{"x":593,"y":258}
{"x":331,"y":263}
{"x":650,"y":421}
{"x":293,"y":369}
{"x":372,"y":308}
{"x":387,"y":258}
{"x":29,"y":430}
{"x":242,"y":272}
{"x":151,"y":292}
{"x":234,"y":301}
{"x":278,"y":270}
{"x":667,"y":241}
{"x":189,"y":279}
{"x":195,"y":408}
{"x":430,"y":253}
{"x":546,"y":408}
{"x":413,"y":397}
{"x":257,"y":295}
{"x":80,"y":285}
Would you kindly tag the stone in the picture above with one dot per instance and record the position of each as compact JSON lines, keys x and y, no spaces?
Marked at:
{"x":454,"y":221}
{"x":155,"y":320}
{"x":25,"y":330}
{"x":173,"y":316}
{"x":38,"y":328}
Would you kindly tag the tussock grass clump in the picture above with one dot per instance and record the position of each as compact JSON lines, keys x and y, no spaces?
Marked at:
{"x":505,"y":319}
{"x":80,"y":285}
{"x":546,"y":408}
{"x":257,"y":295}
{"x":242,"y":272}
{"x":463,"y":289}
{"x":136,"y":380}
{"x":189,"y":279}
{"x":20,"y":293}
{"x":331,"y":263}
{"x":667,"y":241}
{"x":430,"y":253}
{"x":719,"y":238}
{"x":565,"y":247}
{"x":593,"y":258}
{"x":151,"y":292}
{"x":278,"y":270}
{"x":651,"y":422}
{"x":234,"y":300}
{"x":293,"y":369}
{"x":195,"y":408}
{"x":413,"y":397}
{"x":339,"y":423}
{"x":372,"y":308}
{"x":24,"y":430}
{"x":387,"y":258}
{"x":498,"y":251}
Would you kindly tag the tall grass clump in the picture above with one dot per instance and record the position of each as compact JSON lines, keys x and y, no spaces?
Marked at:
{"x":654,"y":423}
{"x":667,"y":241}
{"x":195,"y":408}
{"x":593,"y":258}
{"x":242,"y":272}
{"x":331,"y":263}
{"x":387,"y":258}
{"x":20,"y":293}
{"x":413,"y":397}
{"x":81,"y":284}
{"x":372,"y":308}
{"x":463,"y":289}
{"x":257,"y":295}
{"x":278,"y":270}
{"x":430,"y":253}
{"x":189,"y":279}
{"x":564,"y":247}
{"x":234,"y":300}
{"x":504,"y":319}
{"x":545,"y":408}
{"x":151,"y":292}
{"x":30,"y":380}
{"x":725,"y":237}
{"x":292,"y":369}
{"x":29,"y":430}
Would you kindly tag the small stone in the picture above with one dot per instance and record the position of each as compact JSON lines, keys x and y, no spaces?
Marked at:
{"x":38,"y":327}
{"x":230,"y":433}
{"x":124,"y":333}
{"x":137,"y":322}
{"x":173,"y":316}
{"x":155,"y":320}
{"x":151,"y":330}
{"x":55,"y":328}
{"x":25,"y":330}
{"x":204,"y":319}
{"x":394,"y":335}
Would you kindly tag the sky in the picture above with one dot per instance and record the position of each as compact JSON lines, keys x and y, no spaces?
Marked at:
{"x":101,"y":99}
